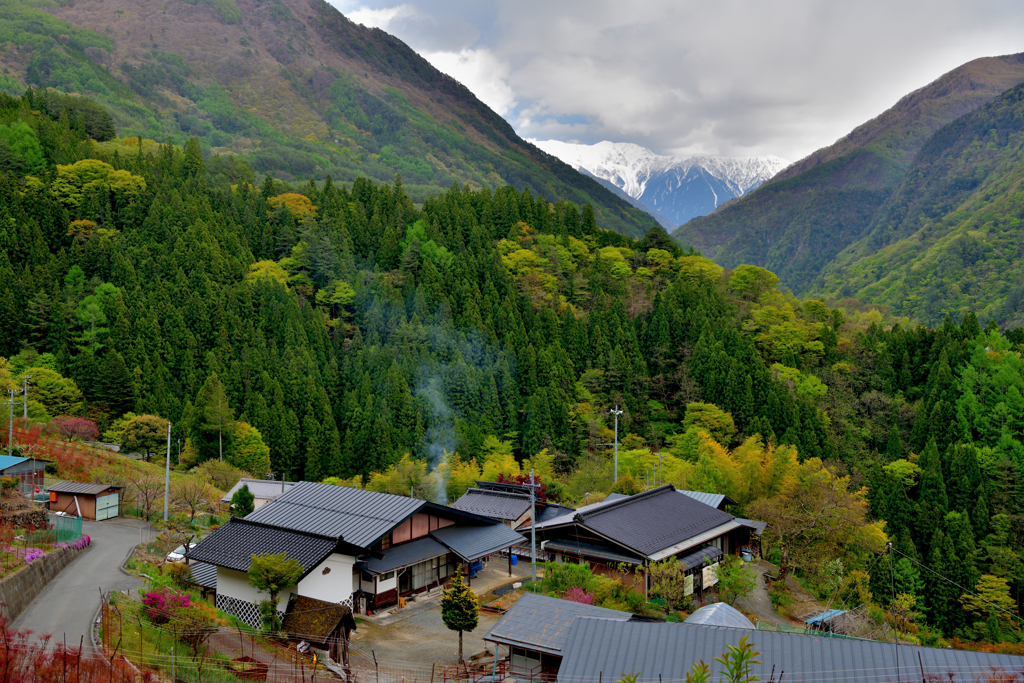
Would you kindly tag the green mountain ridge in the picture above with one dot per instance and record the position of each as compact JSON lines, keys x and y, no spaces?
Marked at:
{"x":796,"y":224}
{"x":947,"y":240}
{"x":291,"y":86}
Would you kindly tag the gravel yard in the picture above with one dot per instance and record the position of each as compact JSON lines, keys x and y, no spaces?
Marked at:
{"x":420,"y":640}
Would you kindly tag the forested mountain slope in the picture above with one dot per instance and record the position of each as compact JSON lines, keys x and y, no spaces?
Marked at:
{"x":948,"y":238}
{"x":292,"y":85}
{"x":350,"y":327}
{"x":797,"y":223}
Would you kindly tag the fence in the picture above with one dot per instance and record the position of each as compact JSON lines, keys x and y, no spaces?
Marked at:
{"x":68,"y":528}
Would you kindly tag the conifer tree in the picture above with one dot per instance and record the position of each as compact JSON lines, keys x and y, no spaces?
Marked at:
{"x":460,"y":608}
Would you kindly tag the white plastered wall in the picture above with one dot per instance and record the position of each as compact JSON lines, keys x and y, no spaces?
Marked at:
{"x":236,"y":585}
{"x":335,"y":585}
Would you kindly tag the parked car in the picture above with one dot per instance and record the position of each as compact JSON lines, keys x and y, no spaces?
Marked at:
{"x":178,"y":554}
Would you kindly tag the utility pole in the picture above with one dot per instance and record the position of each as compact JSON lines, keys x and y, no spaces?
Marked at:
{"x":533,"y":532}
{"x":10,"y":433}
{"x":616,"y":412}
{"x":167,"y":473}
{"x":24,"y":400}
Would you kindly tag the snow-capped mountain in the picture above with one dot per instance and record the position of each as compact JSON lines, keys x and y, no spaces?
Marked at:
{"x":674,"y":189}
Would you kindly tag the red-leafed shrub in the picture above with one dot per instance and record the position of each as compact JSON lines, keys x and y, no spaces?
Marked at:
{"x":162,"y":603}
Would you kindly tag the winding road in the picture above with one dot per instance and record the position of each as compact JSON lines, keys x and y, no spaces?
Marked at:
{"x":67,"y":607}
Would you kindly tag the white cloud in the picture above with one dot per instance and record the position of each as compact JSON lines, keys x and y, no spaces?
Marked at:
{"x":378,"y":18}
{"x":480,"y":71}
{"x":729,"y":77}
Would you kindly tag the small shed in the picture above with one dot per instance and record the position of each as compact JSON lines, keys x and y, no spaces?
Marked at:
{"x":91,"y":501}
{"x":29,"y":471}
{"x":324,"y":625}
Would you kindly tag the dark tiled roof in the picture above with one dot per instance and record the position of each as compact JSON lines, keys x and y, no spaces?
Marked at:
{"x":358,"y":517}
{"x":233,"y":545}
{"x":542,"y":624}
{"x":405,"y":555}
{"x":599,"y":648}
{"x":715,"y":500}
{"x":493,"y":504}
{"x":653,"y":520}
{"x":85,"y":489}
{"x":315,"y":620}
{"x":756,"y":526}
{"x":204,"y":575}
{"x":574,"y":547}
{"x":473,"y":542}
{"x":262,"y":489}
{"x":505,"y":486}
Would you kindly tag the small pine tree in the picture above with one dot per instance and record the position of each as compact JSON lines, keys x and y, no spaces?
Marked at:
{"x":242,"y":502}
{"x":460,"y":608}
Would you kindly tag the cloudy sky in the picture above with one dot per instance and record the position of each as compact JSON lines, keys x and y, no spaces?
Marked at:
{"x":728,"y":77}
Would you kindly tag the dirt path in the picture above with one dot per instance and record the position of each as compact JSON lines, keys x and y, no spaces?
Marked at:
{"x":758,"y":601}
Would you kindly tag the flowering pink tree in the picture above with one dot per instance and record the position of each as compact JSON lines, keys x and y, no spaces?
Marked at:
{"x":70,"y":427}
{"x":577,"y":594}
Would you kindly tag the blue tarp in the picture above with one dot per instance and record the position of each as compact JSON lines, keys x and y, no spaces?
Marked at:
{"x":824,"y":616}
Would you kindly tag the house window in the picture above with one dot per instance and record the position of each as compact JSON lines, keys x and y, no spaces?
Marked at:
{"x":385,"y":542}
{"x":387,"y":577}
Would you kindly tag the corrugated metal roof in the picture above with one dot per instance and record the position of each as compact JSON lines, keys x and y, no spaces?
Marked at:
{"x":473,"y":542}
{"x":543,"y":624}
{"x":754,"y":524}
{"x":9,"y":461}
{"x":715,"y":500}
{"x":405,"y":555}
{"x":233,"y":545}
{"x":494,"y":504}
{"x":75,"y":487}
{"x":551,"y":511}
{"x":204,"y":574}
{"x":720,"y":614}
{"x":629,"y":521}
{"x":358,"y":517}
{"x":599,"y":648}
{"x":697,"y":558}
{"x":262,"y":489}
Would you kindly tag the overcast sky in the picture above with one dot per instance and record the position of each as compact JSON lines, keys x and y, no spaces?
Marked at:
{"x":727,"y":77}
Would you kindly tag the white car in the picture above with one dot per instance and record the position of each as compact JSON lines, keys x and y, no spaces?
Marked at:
{"x":178,"y":554}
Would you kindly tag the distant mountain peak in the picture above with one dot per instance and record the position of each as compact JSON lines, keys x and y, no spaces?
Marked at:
{"x":675,"y":188}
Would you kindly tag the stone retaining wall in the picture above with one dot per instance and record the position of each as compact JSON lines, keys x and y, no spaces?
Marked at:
{"x":19,"y":589}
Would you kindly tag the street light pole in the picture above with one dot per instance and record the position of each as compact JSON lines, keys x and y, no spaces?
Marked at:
{"x":167,"y":473}
{"x":616,"y":412}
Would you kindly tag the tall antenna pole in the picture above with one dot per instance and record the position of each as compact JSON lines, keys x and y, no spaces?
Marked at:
{"x":24,"y":401}
{"x":616,"y":412}
{"x":533,"y":533}
{"x":167,"y":472}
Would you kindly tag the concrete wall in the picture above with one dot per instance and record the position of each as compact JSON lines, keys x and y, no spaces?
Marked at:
{"x":18,"y":590}
{"x":335,"y":585}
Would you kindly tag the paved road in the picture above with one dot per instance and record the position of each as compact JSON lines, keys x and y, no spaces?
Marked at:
{"x":68,"y":605}
{"x":759,"y":602}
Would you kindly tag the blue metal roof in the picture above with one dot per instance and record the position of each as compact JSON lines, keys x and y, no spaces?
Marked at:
{"x":473,"y":542}
{"x":824,"y":616}
{"x":543,"y":624}
{"x":405,"y":555}
{"x":9,"y":461}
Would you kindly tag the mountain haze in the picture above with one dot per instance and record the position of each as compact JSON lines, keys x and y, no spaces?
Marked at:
{"x":292,"y":86}
{"x":797,"y":223}
{"x":673,"y":188}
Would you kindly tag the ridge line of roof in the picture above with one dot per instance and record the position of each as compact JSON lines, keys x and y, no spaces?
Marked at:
{"x":623,"y":502}
{"x":275,"y":527}
{"x":298,"y":484}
